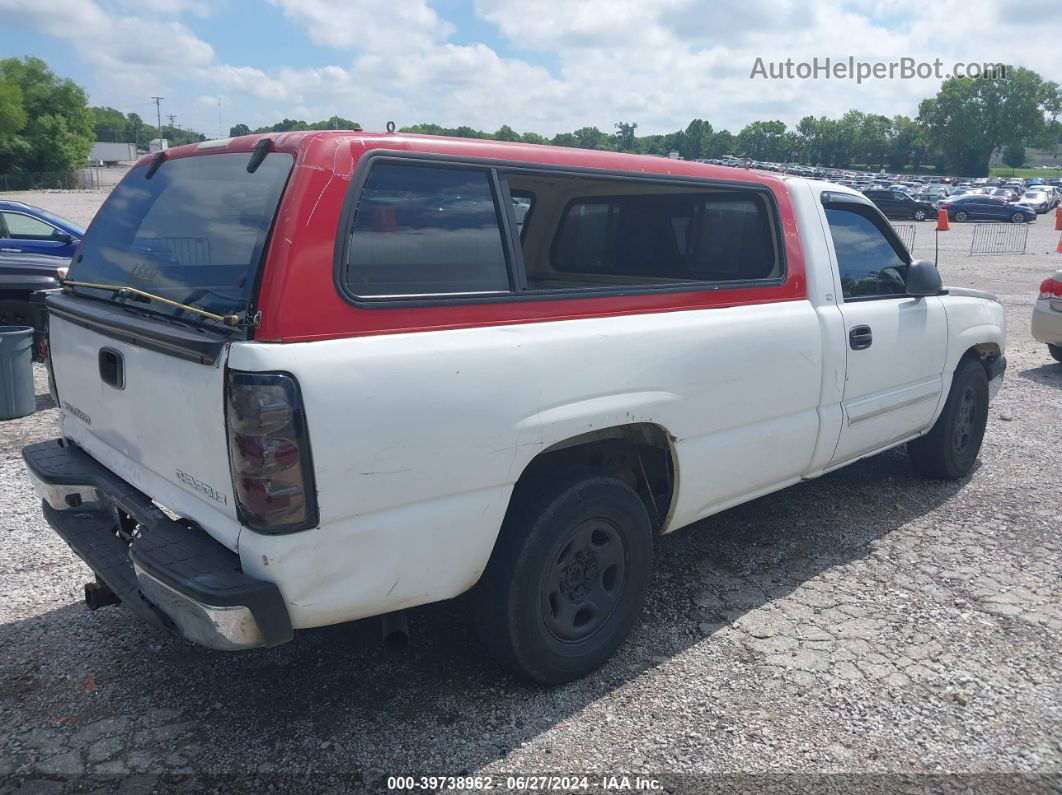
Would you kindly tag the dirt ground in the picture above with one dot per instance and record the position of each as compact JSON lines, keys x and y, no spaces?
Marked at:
{"x":864,"y":630}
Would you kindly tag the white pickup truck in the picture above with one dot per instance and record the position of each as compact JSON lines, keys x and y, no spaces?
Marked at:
{"x":314,"y":377}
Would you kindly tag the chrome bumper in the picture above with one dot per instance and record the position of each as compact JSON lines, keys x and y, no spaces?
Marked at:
{"x":171,"y":574}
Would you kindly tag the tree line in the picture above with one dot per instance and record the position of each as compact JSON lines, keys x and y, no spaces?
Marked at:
{"x":46,"y":124}
{"x":955,"y":132}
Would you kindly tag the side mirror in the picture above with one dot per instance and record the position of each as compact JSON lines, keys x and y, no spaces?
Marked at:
{"x":65,"y":237}
{"x":923,"y":279}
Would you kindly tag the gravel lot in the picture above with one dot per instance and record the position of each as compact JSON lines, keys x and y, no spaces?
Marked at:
{"x":867,"y":622}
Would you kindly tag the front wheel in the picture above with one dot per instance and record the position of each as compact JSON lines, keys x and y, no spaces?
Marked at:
{"x":1055,"y":351}
{"x":950,"y":449}
{"x":1017,"y":218}
{"x":567,"y":579}
{"x":961,"y":216}
{"x":920,"y":215}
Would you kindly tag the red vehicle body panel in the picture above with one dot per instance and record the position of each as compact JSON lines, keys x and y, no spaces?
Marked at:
{"x":298,"y":298}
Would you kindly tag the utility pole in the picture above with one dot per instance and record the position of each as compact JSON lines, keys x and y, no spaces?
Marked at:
{"x":158,"y":115}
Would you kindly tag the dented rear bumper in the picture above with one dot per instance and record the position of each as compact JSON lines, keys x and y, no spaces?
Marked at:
{"x":171,"y":574}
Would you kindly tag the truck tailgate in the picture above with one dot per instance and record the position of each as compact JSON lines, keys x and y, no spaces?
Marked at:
{"x":161,"y":428}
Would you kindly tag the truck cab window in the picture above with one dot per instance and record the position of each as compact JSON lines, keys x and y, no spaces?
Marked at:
{"x":424,"y":230}
{"x":869,"y":263}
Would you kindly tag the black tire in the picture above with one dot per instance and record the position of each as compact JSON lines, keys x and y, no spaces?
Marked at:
{"x":1055,"y":351}
{"x":961,"y":216}
{"x":950,"y":449}
{"x":567,"y":579}
{"x":919,"y":215}
{"x":1017,"y":218}
{"x":16,"y":313}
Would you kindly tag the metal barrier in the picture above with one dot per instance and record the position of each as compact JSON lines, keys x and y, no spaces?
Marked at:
{"x":1001,"y":238}
{"x":907,"y":234}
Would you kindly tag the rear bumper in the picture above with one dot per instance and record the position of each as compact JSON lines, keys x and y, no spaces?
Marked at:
{"x":1047,"y":321}
{"x":173,"y":575}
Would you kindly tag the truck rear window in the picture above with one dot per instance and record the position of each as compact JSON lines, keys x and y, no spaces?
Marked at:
{"x":193,"y":233}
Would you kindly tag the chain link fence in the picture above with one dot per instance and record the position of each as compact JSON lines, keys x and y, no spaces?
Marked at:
{"x":82,"y":179}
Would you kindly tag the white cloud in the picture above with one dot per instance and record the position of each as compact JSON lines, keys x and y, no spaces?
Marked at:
{"x":199,"y":8}
{"x":565,"y":64}
{"x":246,"y":79}
{"x":374,"y":25}
{"x":131,"y":51}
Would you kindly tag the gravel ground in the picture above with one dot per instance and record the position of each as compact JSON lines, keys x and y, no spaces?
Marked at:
{"x":865,"y":623}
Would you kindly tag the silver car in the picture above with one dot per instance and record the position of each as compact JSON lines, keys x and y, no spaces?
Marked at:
{"x":1047,"y":315}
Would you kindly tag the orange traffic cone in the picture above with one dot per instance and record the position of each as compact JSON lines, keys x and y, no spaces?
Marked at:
{"x":1058,"y":219}
{"x":942,"y":221}
{"x":1059,"y":248}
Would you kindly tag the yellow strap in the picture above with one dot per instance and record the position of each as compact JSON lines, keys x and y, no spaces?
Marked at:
{"x":228,"y":320}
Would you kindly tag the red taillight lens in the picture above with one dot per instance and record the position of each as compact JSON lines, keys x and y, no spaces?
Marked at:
{"x":1050,"y":288}
{"x":269,"y":454}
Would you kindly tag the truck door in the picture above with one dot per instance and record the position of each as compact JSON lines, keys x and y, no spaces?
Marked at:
{"x":896,"y":345}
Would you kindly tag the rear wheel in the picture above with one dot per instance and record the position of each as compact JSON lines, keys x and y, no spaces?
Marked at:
{"x":1017,"y":218}
{"x":961,"y":216}
{"x":919,"y":215}
{"x":1056,"y":351}
{"x":950,"y":449}
{"x":567,"y":579}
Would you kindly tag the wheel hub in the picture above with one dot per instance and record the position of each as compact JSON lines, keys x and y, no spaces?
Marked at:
{"x":578,"y":577}
{"x":585,"y":581}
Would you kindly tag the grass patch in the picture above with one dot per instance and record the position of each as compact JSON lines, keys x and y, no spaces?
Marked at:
{"x":1025,"y":173}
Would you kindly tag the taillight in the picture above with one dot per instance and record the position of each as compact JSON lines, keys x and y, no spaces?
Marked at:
{"x":1050,"y":288}
{"x":269,"y":452}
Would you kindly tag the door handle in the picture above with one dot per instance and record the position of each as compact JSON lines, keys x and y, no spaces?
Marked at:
{"x":860,"y":338}
{"x":11,"y":250}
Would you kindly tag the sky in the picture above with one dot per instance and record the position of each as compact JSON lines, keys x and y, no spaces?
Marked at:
{"x":542,"y":65}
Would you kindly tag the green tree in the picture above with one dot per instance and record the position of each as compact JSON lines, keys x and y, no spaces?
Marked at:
{"x":58,"y":133}
{"x":506,"y":133}
{"x":696,"y":140}
{"x":761,"y":140}
{"x":970,"y":118}
{"x":12,"y":114}
{"x":565,"y":139}
{"x":905,"y":143}
{"x":335,"y":123}
{"x":1014,"y":155}
{"x":722,"y":144}
{"x":871,"y":140}
{"x":534,"y":138}
{"x":592,"y":138}
{"x":237,"y":130}
{"x":626,"y":140}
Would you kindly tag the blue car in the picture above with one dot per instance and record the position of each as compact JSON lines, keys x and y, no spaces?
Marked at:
{"x":25,"y":229}
{"x":978,"y":207}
